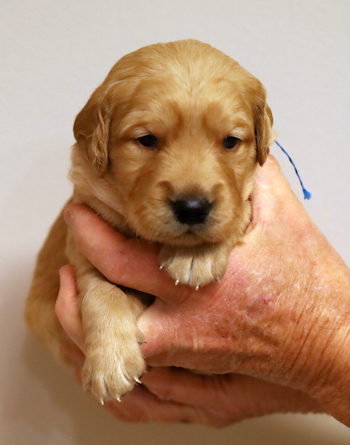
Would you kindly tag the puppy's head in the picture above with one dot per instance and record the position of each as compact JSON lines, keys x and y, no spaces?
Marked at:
{"x":171,"y":140}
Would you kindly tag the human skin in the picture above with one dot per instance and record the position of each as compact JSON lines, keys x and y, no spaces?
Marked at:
{"x":274,"y":331}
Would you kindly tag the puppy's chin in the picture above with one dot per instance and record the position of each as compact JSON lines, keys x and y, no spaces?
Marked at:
{"x":188,"y":238}
{"x":184,"y":236}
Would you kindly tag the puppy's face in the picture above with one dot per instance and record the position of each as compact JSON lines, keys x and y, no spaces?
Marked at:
{"x":171,"y":141}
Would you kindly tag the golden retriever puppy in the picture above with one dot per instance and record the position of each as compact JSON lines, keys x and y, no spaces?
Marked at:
{"x":166,"y":150}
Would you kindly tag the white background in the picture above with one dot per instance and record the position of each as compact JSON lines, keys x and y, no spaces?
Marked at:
{"x":52,"y":55}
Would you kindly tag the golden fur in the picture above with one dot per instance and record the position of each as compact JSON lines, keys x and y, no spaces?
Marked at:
{"x":152,"y":138}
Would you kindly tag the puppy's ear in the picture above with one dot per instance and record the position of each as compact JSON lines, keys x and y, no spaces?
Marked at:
{"x":263,"y":121}
{"x":91,"y":131}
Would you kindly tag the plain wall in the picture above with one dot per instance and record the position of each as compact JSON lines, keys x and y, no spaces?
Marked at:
{"x":52,"y":55}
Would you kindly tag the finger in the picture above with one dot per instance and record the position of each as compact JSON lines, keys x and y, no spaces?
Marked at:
{"x":161,"y":327}
{"x":269,"y":180}
{"x":67,"y":307}
{"x":271,"y":192}
{"x":128,"y":262}
{"x":140,"y":405}
{"x":231,"y":397}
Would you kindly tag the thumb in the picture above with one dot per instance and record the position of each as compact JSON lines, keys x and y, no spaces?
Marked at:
{"x":271,"y":192}
{"x":269,"y":180}
{"x":160,"y":325}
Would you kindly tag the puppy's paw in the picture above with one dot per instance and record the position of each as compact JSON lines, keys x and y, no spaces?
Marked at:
{"x":195,"y":266}
{"x":111,"y":370}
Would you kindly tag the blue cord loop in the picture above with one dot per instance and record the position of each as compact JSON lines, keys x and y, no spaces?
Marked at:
{"x":307,"y":195}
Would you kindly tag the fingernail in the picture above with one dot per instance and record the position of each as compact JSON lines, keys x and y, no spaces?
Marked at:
{"x":62,"y":273}
{"x":68,"y":217}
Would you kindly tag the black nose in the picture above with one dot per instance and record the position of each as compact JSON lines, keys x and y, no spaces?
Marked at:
{"x":191,"y":210}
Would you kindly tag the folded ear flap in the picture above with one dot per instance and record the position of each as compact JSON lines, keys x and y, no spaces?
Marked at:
{"x":263,"y":121}
{"x":91,"y":131}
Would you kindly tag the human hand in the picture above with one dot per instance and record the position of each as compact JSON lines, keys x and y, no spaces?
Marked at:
{"x":172,"y":395}
{"x":269,"y":316}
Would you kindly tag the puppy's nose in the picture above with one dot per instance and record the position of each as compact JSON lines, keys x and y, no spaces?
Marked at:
{"x":191,"y":210}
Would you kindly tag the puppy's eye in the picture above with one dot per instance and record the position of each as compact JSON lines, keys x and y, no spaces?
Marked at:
{"x":148,"y":141}
{"x":230,"y":142}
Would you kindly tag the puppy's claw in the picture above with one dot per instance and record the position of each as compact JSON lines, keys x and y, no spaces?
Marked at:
{"x":161,"y":267}
{"x":119,"y":399}
{"x":137,"y":380}
{"x":177,"y":282}
{"x":102,"y":402}
{"x":197,"y":287}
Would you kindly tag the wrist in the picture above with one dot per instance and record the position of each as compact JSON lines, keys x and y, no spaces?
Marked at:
{"x":322,"y":366}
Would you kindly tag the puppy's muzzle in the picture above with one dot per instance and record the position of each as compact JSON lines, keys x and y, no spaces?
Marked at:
{"x":191,"y":210}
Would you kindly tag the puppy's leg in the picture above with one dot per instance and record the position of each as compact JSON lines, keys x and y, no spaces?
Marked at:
{"x":113,"y":358}
{"x":196,"y":266}
{"x":40,"y":305}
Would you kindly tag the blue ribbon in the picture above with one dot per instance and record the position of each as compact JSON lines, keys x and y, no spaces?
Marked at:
{"x":307,"y":195}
